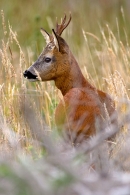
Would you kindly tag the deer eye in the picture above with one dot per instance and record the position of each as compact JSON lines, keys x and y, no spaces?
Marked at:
{"x":47,"y":60}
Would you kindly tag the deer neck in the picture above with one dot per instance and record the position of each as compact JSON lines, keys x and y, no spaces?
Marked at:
{"x":72,"y":79}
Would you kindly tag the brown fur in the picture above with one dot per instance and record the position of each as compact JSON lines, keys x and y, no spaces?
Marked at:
{"x":82,"y":103}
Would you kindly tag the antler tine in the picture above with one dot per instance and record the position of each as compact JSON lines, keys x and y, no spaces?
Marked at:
{"x":68,"y":21}
{"x":63,"y":20}
{"x":62,"y":26}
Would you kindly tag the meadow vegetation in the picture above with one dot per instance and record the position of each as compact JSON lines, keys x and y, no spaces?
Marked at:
{"x":33,"y":158}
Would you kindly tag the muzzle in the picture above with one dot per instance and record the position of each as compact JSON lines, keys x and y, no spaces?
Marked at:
{"x":27,"y":74}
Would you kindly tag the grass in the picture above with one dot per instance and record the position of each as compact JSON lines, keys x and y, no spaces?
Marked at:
{"x":33,"y":159}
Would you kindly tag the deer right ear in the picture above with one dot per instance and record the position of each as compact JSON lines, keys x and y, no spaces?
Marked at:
{"x":55,"y":39}
{"x":59,"y":43}
{"x":46,"y":35}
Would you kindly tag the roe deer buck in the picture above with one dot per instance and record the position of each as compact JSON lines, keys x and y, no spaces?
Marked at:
{"x":82,"y":103}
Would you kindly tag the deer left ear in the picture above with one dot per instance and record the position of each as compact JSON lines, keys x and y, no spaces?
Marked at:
{"x":46,"y":35}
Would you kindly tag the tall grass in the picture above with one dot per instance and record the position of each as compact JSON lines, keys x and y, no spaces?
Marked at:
{"x":33,"y":158}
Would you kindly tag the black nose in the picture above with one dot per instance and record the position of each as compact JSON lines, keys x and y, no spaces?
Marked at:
{"x":27,"y":74}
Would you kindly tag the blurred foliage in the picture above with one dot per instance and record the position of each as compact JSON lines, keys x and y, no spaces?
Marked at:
{"x":26,"y":18}
{"x":31,"y":167}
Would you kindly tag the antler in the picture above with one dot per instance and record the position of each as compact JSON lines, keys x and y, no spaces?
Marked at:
{"x":60,"y":27}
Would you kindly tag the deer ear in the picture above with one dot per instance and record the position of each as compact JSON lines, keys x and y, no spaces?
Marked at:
{"x":46,"y":35}
{"x":60,"y":43}
{"x":55,"y":39}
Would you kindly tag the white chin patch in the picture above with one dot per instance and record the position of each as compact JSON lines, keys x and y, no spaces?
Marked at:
{"x":33,"y":80}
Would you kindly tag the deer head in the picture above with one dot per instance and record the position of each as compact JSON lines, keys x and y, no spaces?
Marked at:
{"x":53,"y":61}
